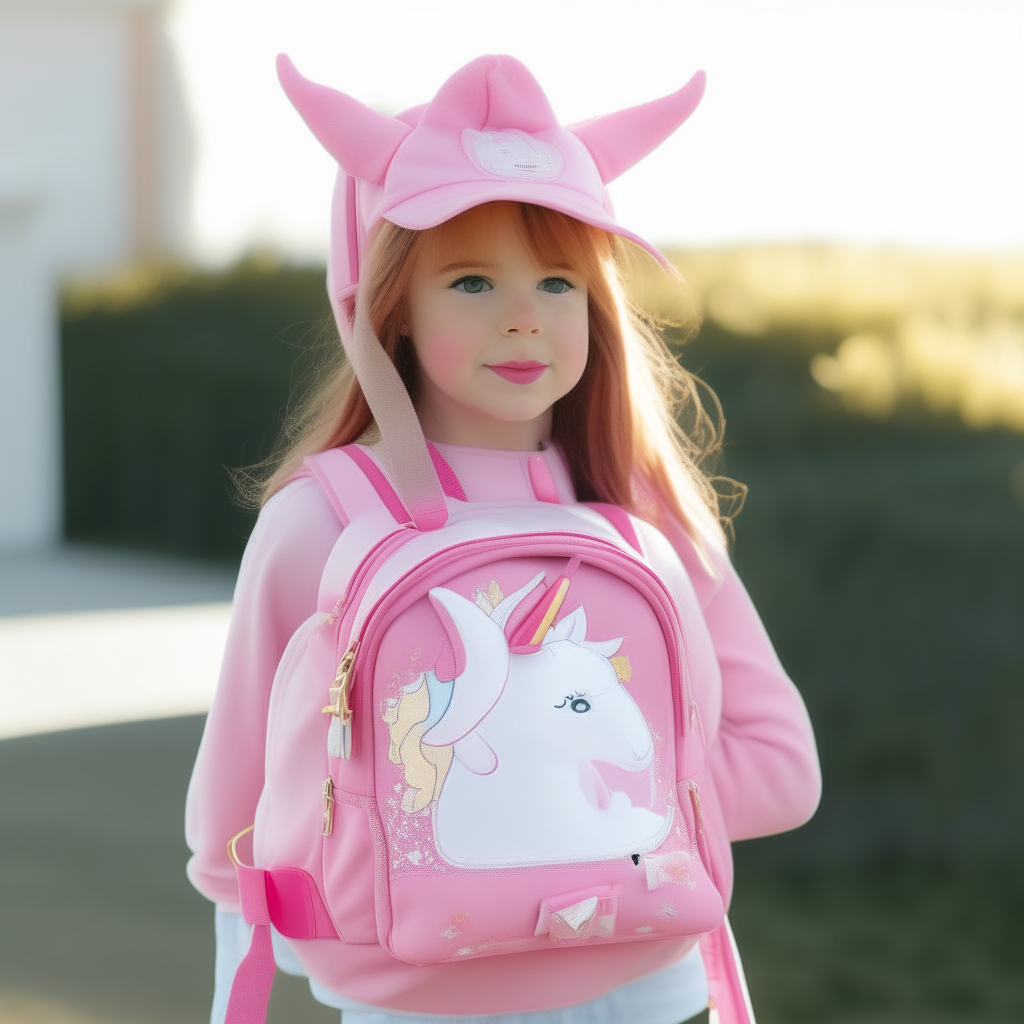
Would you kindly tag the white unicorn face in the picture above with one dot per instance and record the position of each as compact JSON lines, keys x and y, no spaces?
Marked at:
{"x":565,"y":704}
{"x":524,"y":731}
{"x":564,"y":701}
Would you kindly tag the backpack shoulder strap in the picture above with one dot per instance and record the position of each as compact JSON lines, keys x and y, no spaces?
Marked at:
{"x":354,"y":482}
{"x":730,"y":1000}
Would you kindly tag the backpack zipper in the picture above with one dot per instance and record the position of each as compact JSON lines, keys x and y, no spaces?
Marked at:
{"x":339,"y":692}
{"x":601,"y":554}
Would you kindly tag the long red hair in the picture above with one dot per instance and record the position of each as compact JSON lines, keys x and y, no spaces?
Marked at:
{"x":618,"y":427}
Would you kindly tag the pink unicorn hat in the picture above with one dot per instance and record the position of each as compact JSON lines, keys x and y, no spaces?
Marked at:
{"x":489,"y":134}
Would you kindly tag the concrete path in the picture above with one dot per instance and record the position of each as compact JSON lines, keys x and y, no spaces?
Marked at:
{"x":98,"y":924}
{"x":90,"y":637}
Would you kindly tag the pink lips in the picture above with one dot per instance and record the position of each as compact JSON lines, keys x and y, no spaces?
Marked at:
{"x":518,"y":373}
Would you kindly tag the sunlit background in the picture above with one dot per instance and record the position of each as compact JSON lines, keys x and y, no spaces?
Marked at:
{"x":846,"y":211}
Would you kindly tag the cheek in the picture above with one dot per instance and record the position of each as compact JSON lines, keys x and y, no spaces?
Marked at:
{"x":575,"y":345}
{"x":443,"y":353}
{"x":443,"y":342}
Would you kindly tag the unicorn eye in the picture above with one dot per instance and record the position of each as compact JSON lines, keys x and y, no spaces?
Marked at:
{"x":580,"y":705}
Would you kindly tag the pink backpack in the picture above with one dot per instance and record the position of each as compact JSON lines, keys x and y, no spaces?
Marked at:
{"x":482,"y":743}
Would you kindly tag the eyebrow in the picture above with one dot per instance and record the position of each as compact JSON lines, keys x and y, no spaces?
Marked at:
{"x":486,"y":265}
{"x":466,"y":265}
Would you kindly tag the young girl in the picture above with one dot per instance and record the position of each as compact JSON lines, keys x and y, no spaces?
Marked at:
{"x":475,"y":277}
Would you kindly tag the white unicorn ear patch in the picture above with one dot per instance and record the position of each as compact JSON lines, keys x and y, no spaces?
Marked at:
{"x":582,"y":915}
{"x":513,"y":154}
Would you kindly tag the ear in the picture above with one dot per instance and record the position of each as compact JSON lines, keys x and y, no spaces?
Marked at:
{"x":360,"y":139}
{"x":617,"y":141}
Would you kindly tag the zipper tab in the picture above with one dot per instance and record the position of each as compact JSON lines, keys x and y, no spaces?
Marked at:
{"x":336,"y":610}
{"x":698,"y":825}
{"x":339,"y":692}
{"x":327,"y":807}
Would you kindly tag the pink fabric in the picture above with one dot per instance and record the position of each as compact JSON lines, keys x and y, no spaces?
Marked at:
{"x":730,"y":1001}
{"x":384,"y":490}
{"x":619,"y":518}
{"x":541,"y":480}
{"x":250,"y":991}
{"x":321,"y":471}
{"x":489,"y":134}
{"x":445,"y":473}
{"x":295,"y":907}
{"x":762,"y":761}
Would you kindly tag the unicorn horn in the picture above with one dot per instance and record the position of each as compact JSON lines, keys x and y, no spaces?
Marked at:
{"x":532,"y":631}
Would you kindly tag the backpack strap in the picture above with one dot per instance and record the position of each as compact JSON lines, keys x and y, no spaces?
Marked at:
{"x":284,"y":897}
{"x":619,"y":518}
{"x":730,"y":1000}
{"x":353,"y":493}
{"x":445,"y":473}
{"x":544,"y":489}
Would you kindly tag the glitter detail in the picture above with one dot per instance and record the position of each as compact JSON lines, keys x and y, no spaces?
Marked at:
{"x":425,"y":767}
{"x":623,"y":669}
{"x":455,"y":924}
{"x":489,"y":599}
{"x":674,"y":868}
{"x":644,"y":929}
{"x":668,"y":909}
{"x":488,"y":945}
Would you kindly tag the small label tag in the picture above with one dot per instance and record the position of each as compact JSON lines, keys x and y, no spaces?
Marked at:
{"x":668,"y":869}
{"x":513,"y":154}
{"x":339,"y":739}
{"x":588,"y":917}
{"x":577,"y":915}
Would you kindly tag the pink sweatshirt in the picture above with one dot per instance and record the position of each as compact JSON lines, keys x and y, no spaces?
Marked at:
{"x":761,"y":749}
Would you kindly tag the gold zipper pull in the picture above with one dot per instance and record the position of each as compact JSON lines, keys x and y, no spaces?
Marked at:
{"x":335,"y":611}
{"x":339,"y":692}
{"x":327,"y":807}
{"x":698,"y":822}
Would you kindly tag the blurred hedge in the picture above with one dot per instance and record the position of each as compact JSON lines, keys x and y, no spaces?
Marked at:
{"x":170,"y":379}
{"x":885,"y":555}
{"x":887,"y":561}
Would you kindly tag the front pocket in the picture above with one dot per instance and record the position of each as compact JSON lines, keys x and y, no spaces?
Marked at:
{"x":348,"y":867}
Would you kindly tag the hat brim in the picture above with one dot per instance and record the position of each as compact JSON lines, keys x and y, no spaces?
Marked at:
{"x":433,"y":207}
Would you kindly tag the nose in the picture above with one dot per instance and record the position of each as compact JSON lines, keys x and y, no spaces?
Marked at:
{"x":521,"y":318}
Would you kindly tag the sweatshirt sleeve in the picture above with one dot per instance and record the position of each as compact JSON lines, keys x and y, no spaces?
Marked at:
{"x":275,"y":593}
{"x":763,"y":759}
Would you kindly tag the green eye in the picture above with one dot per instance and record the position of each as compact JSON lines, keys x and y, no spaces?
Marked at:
{"x":472,"y":285}
{"x":555,"y":285}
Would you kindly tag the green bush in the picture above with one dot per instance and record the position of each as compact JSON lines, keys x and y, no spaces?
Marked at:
{"x":887,"y":560}
{"x":170,"y":384}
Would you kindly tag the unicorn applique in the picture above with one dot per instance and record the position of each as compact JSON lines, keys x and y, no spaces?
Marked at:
{"x":506,"y":748}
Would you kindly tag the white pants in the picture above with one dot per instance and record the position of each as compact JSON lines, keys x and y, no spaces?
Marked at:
{"x":674,"y":994}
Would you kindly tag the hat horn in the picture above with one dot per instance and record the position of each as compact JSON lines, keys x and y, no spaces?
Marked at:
{"x":360,"y":139}
{"x":617,"y":141}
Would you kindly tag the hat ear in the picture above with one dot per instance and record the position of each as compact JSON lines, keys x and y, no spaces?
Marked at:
{"x":617,"y":141}
{"x":359,"y":138}
{"x":494,"y":92}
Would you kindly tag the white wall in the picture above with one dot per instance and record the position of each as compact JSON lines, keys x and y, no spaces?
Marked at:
{"x":30,"y":468}
{"x":93,"y":173}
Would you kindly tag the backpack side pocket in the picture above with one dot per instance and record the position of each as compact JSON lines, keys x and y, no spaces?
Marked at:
{"x":349,"y":862}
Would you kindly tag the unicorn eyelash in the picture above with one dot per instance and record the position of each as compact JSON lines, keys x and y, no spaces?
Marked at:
{"x":577,"y":697}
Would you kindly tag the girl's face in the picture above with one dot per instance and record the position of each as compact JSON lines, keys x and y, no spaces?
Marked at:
{"x":498,"y":337}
